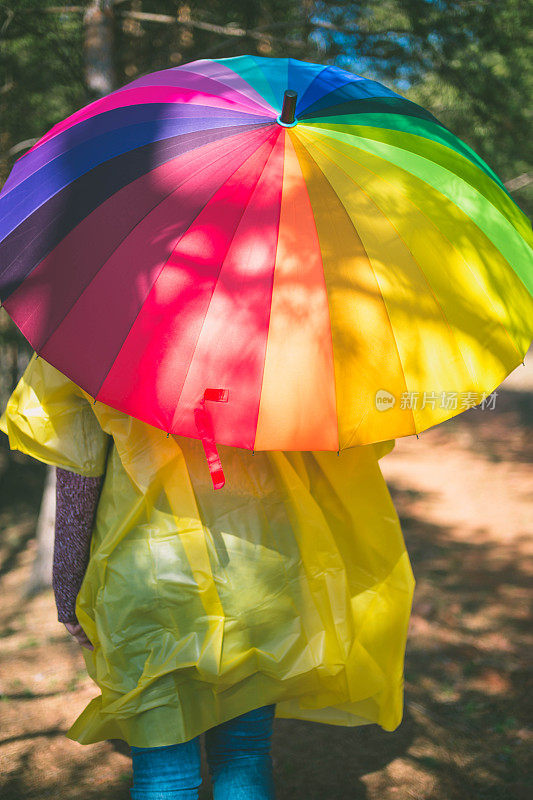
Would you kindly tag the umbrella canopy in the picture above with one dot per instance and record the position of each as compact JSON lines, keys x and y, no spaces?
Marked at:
{"x":349,"y":276}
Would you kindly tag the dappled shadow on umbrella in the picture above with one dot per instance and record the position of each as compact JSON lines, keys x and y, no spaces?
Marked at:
{"x":458,"y":655}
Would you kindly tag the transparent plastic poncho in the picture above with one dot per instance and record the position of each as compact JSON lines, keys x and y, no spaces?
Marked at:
{"x":290,"y":585}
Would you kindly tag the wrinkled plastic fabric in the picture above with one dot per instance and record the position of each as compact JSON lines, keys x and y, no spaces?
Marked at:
{"x":290,"y":585}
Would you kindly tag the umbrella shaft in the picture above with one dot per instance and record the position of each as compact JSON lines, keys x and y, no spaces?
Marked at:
{"x":289,"y":106}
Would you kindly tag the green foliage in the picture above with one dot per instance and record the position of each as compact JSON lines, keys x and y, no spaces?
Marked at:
{"x":465,"y":60}
{"x":41,"y":74}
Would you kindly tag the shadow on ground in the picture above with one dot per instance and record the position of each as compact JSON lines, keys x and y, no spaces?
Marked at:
{"x":464,"y":732}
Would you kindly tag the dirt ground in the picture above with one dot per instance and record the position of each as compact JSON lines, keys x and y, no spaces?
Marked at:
{"x":463,"y":493}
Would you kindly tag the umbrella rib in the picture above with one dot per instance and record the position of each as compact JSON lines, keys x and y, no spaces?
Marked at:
{"x":465,"y":152}
{"x":343,"y":101}
{"x":267,"y":79}
{"x":129,"y":127}
{"x":133,"y":85}
{"x":319,"y":74}
{"x":75,"y":117}
{"x":164,"y":265}
{"x":430,"y":221}
{"x":271,"y":291}
{"x":229,"y":86}
{"x":163,"y":143}
{"x":377,"y":282}
{"x":456,"y":153}
{"x":138,"y":222}
{"x":232,"y":106}
{"x":439,"y":306}
{"x":215,"y":285}
{"x":399,"y":100}
{"x":327,"y":304}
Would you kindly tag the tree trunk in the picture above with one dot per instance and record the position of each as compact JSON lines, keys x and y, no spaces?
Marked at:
{"x":41,"y":575}
{"x":98,"y":46}
{"x":100,"y":78}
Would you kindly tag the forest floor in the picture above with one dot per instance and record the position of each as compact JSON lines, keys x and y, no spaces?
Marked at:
{"x":463,"y":494}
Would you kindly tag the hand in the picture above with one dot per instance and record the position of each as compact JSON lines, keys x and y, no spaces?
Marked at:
{"x":75,"y":630}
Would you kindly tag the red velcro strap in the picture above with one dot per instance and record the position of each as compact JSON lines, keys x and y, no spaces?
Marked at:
{"x":205,"y":429}
{"x":218,"y":395}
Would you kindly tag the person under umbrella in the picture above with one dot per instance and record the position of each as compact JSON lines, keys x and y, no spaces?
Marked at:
{"x":286,"y":593}
{"x":194,"y":269}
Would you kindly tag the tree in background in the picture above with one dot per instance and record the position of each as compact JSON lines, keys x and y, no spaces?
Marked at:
{"x":465,"y":60}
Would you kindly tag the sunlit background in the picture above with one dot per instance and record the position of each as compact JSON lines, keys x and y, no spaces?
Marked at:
{"x":462,"y":490}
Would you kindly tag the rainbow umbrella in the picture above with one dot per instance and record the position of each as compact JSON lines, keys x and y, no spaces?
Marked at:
{"x":268,"y":254}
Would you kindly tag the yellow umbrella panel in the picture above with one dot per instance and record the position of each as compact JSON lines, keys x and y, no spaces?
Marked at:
{"x":428,"y":271}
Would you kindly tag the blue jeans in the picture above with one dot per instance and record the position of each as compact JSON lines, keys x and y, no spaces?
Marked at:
{"x":238,"y":756}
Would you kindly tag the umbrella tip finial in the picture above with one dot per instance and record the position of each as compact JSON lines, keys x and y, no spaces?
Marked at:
{"x":286,"y":118}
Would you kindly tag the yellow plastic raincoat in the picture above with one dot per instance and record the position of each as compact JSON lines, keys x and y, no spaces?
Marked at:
{"x":290,"y":585}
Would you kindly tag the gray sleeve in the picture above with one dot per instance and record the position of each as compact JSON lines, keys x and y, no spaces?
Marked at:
{"x":76,"y":502}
